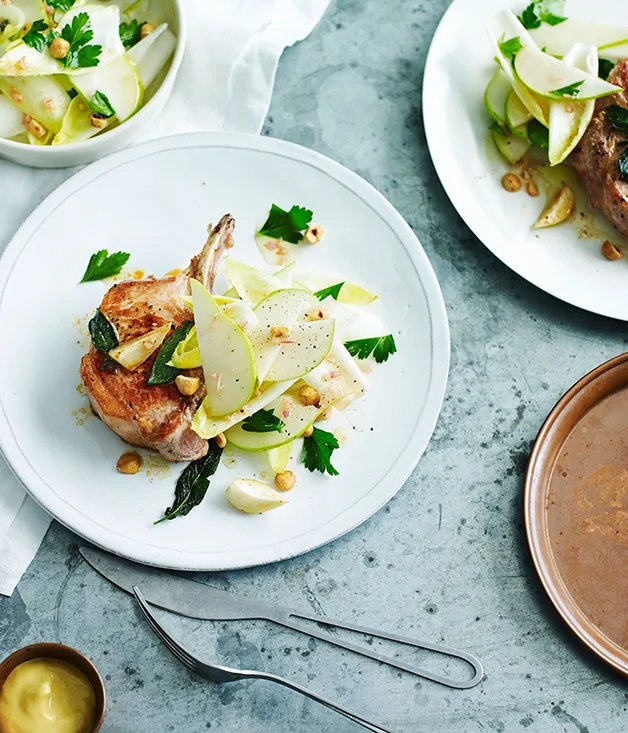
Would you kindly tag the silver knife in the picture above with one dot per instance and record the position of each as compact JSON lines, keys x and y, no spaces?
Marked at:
{"x":197,"y":600}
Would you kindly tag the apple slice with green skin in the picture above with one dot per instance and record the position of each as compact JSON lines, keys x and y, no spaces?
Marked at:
{"x":496,"y":95}
{"x":570,"y":120}
{"x":250,"y":283}
{"x":10,"y":118}
{"x":32,"y":91}
{"x":288,"y":408}
{"x":208,"y":427}
{"x":253,"y":497}
{"x":516,"y":114}
{"x":226,"y":355}
{"x":304,"y":348}
{"x":76,"y":125}
{"x":553,"y":79}
{"x":512,"y":147}
{"x":615,"y":53}
{"x":284,"y":307}
{"x":558,"y":39}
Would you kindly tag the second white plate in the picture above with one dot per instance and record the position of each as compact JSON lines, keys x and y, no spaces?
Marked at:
{"x":155,"y":201}
{"x":558,"y":260}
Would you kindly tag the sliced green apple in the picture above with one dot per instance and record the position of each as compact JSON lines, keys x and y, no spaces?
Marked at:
{"x":253,"y":497}
{"x":512,"y":147}
{"x":615,"y":53}
{"x":41,"y":97}
{"x":558,"y":39}
{"x":570,"y":120}
{"x":32,"y":9}
{"x":76,"y":125}
{"x":208,"y":427}
{"x":303,"y":349}
{"x":119,"y":81}
{"x":517,"y":114}
{"x":496,"y":94}
{"x":284,"y":307}
{"x":553,"y":79}
{"x":226,"y":355}
{"x":250,"y":283}
{"x":288,"y":408}
{"x":10,"y":118}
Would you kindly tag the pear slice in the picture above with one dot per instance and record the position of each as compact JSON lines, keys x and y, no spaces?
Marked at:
{"x":207,"y":427}
{"x":496,"y":95}
{"x":288,"y":408}
{"x":253,"y":497}
{"x":250,"y":283}
{"x":516,"y":113}
{"x":558,"y":39}
{"x":132,"y":354}
{"x":226,"y":355}
{"x":304,"y":348}
{"x":553,"y":79}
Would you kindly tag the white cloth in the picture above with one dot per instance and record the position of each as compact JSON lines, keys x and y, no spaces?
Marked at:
{"x":225,"y":83}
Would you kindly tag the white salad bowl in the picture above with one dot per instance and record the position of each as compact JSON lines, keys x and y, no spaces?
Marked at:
{"x":80,"y":153}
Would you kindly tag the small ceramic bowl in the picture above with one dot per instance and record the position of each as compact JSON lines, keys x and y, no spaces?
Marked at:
{"x":65,"y":654}
{"x":64,"y":156}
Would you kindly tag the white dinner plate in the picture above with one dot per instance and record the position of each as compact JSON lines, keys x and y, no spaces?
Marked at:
{"x":560,"y":260}
{"x":155,"y":201}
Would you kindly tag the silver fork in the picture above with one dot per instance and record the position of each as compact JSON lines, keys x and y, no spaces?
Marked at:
{"x":219,"y":674}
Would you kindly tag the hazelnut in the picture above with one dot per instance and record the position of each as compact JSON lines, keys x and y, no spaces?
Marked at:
{"x":611,"y":251}
{"x":221,"y":441}
{"x":147,"y":29}
{"x":511,"y":182}
{"x":308,"y":432}
{"x":314,"y":233}
{"x":36,"y":129}
{"x":59,"y":48}
{"x":130,"y":462}
{"x":309,"y":396}
{"x":285,"y":480}
{"x":16,"y":96}
{"x":318,"y":314}
{"x":96,"y":119}
{"x":532,"y":189}
{"x":278,"y":333}
{"x":187,"y":385}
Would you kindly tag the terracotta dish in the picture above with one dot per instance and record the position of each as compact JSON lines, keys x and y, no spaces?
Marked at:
{"x":65,"y":654}
{"x":576,"y":509}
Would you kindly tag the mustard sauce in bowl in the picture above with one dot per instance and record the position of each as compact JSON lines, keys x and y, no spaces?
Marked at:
{"x":50,"y":688}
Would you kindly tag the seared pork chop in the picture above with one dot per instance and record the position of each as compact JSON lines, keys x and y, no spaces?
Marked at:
{"x":159,"y":416}
{"x":597,"y":156}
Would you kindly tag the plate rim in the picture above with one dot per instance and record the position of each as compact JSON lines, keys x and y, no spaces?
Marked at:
{"x":470,"y":216}
{"x":439,"y":329}
{"x":538,"y":538}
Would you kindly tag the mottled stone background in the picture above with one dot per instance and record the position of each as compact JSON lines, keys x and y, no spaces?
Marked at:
{"x":446,"y":559}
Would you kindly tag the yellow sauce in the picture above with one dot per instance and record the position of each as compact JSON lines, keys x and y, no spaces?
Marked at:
{"x":138,"y":274}
{"x":47,"y":696}
{"x":174,"y":273}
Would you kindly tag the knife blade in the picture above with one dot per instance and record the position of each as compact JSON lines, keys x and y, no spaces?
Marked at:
{"x":174,"y":593}
{"x":197,"y":600}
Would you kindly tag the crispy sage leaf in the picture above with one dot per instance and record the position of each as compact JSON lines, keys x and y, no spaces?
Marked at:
{"x":103,"y":332}
{"x":162,"y":373}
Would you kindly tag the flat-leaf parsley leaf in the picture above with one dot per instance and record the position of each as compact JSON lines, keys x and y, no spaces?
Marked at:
{"x":571,"y":90}
{"x":35,"y":37}
{"x":381,"y":347}
{"x":287,"y":225}
{"x":78,"y":34}
{"x":317,"y":450}
{"x":130,"y":33}
{"x":61,"y":5}
{"x":102,"y":265}
{"x":510,"y":47}
{"x":263,"y":421}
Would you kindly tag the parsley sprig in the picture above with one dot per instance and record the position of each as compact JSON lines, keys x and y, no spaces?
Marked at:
{"x":571,"y":90}
{"x":78,"y":34}
{"x":317,"y":450}
{"x":332,"y":291}
{"x":130,"y":33}
{"x":543,"y":11}
{"x":61,"y":5}
{"x":101,"y":104}
{"x":102,"y":264}
{"x":511,"y":47}
{"x":287,"y":225}
{"x":263,"y":421}
{"x":381,"y":347}
{"x":35,"y":37}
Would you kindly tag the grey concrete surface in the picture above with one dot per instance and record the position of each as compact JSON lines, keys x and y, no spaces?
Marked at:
{"x":447,"y":558}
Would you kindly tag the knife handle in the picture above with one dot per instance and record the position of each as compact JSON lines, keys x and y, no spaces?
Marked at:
{"x":290,"y":620}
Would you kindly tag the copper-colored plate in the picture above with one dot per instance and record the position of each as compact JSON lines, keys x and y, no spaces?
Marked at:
{"x":576,"y":509}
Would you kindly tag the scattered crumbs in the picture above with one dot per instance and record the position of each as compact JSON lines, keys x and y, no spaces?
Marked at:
{"x":154,"y":465}
{"x":229,"y":462}
{"x":81,"y":389}
{"x":138,"y":274}
{"x":229,"y":450}
{"x":174,"y":273}
{"x":81,"y":415}
{"x":265,"y":476}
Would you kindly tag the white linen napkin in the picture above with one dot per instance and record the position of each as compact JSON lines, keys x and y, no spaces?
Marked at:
{"x":225,"y":83}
